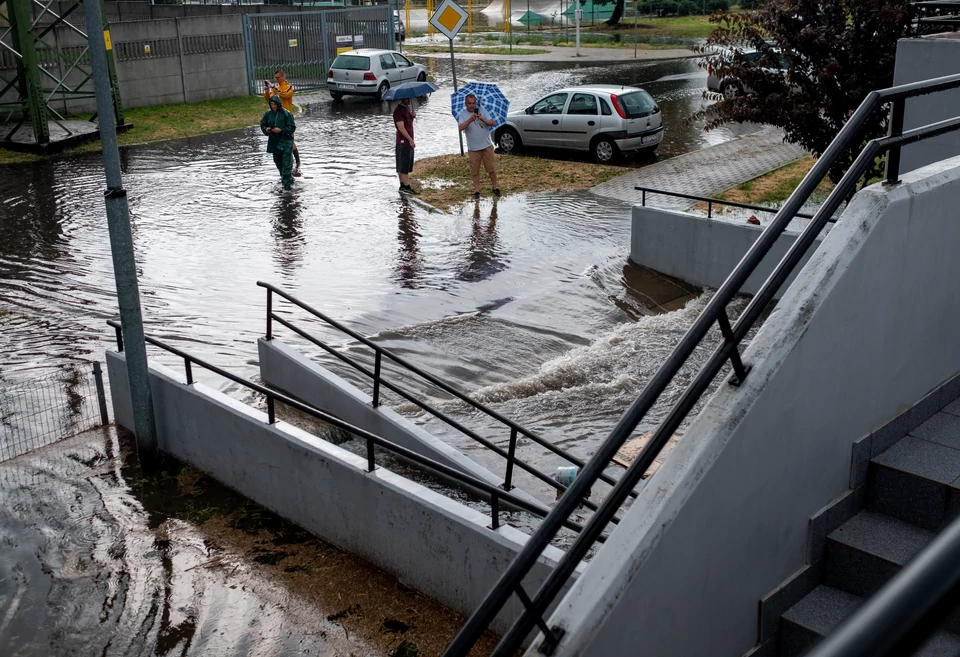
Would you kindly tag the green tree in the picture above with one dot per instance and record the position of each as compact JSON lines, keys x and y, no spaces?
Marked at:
{"x":805,"y":66}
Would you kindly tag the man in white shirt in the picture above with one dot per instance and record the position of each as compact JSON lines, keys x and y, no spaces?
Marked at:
{"x":474,"y":122}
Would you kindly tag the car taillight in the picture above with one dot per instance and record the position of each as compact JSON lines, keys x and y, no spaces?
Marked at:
{"x":616,"y":106}
{"x":369,"y":76}
{"x":330,"y":74}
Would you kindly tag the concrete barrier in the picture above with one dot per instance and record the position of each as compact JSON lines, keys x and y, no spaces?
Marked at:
{"x":921,"y":59}
{"x":699,"y":250}
{"x":286,"y":369}
{"x":868,"y":327}
{"x":431,"y":543}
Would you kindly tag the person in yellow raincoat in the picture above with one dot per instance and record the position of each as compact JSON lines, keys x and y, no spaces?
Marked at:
{"x":283,"y":89}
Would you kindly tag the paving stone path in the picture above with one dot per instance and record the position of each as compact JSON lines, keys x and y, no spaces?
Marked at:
{"x":707,"y":171}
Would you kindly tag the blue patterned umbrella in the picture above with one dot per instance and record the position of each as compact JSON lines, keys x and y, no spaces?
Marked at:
{"x":489,"y":97}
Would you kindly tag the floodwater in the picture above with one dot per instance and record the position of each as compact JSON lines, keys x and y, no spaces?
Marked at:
{"x":529,"y":303}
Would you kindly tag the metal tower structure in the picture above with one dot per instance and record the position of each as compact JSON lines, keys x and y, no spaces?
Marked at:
{"x":45,"y":67}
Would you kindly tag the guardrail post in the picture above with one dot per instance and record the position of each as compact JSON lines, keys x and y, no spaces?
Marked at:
{"x":101,"y":393}
{"x":739,"y":371}
{"x":892,"y":166}
{"x":376,"y":380}
{"x":643,"y":197}
{"x":508,"y":478}
{"x":371,"y":459}
{"x":271,"y":411}
{"x":709,"y":209}
{"x":189,"y":369}
{"x":269,"y":314}
{"x":119,"y":338}
{"x":494,"y":511}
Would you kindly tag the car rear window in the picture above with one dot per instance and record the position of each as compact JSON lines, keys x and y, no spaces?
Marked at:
{"x":637,"y":104}
{"x":352,"y":62}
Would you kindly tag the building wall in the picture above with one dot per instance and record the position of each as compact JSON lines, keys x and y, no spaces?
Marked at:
{"x":868,"y":327}
{"x":429,"y":542}
{"x":922,"y":59}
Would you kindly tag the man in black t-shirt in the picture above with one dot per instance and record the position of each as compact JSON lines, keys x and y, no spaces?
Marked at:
{"x":403,"y":119}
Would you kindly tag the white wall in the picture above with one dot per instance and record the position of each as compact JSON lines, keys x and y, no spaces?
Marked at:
{"x":699,"y":250}
{"x":431,"y":543}
{"x":869,"y":327}
{"x":922,"y":59}
{"x":288,"y":370}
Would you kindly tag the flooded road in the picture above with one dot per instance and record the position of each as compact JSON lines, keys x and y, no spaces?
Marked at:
{"x":529,"y":303}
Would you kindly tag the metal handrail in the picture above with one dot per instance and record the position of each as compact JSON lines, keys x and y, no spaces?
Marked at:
{"x":709,"y":201}
{"x":898,"y":617}
{"x":716,"y":311}
{"x":495,"y":492}
{"x":515,"y":428}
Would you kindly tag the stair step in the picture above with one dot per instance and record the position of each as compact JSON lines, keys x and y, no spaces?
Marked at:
{"x":814,"y":617}
{"x":869,"y":549}
{"x":819,"y":613}
{"x":917,"y":480}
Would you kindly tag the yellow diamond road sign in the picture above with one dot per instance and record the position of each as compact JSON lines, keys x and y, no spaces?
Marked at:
{"x":448,"y":18}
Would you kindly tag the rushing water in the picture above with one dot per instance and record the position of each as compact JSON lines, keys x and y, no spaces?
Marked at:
{"x":529,"y":303}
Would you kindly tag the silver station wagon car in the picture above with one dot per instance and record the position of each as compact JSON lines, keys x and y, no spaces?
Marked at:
{"x":369,"y":72}
{"x":605,"y":120}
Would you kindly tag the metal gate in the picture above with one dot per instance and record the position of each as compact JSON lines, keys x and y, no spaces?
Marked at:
{"x":304,"y":44}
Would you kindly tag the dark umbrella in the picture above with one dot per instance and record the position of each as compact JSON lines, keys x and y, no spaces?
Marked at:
{"x":409,"y":90}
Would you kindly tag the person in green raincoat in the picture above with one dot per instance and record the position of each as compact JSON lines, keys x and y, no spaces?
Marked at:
{"x":277,"y":123}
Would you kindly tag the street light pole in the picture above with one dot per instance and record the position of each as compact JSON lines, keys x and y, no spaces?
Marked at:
{"x":577,"y":13}
{"x":121,"y":240}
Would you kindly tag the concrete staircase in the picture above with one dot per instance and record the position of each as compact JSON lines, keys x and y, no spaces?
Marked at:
{"x":907,"y":493}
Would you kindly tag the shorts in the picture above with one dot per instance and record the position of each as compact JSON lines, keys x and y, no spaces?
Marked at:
{"x":404,"y":158}
{"x":485,"y":156}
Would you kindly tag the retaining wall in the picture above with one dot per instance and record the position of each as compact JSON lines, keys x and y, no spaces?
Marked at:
{"x":868,"y":327}
{"x":699,"y":250}
{"x":288,"y":370}
{"x":431,"y":543}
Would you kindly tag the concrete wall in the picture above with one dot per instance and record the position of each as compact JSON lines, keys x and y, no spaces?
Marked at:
{"x":699,"y":250}
{"x":868,"y":327}
{"x":284,"y":368}
{"x":922,"y":59}
{"x":429,"y":542}
{"x":189,"y":60}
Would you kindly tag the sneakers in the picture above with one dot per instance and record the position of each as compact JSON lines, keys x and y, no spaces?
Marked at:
{"x":296,"y":172}
{"x":408,"y":189}
{"x":496,"y":192}
{"x":476,"y":196}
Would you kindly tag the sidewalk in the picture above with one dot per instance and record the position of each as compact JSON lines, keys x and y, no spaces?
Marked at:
{"x":557,"y":53}
{"x":707,"y":171}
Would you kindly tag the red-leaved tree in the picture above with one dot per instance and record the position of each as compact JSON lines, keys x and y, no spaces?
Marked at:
{"x":818,"y":60}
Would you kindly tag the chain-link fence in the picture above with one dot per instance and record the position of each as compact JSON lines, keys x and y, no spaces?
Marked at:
{"x":50,"y":408}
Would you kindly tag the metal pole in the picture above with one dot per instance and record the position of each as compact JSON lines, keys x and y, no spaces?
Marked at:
{"x":453,"y":67}
{"x":636,"y":28}
{"x":577,"y":12}
{"x":121,"y":242}
{"x":101,"y":393}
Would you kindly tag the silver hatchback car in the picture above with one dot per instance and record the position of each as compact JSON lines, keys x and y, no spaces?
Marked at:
{"x":605,"y":120}
{"x":369,"y":72}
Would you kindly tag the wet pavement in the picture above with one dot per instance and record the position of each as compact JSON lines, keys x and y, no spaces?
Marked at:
{"x":100,"y":558}
{"x":528,"y":303}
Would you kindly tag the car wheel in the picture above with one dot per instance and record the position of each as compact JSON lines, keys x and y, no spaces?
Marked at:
{"x":730,"y":90}
{"x":508,"y":140}
{"x":422,"y":77}
{"x":336,"y":95}
{"x":383,"y":89}
{"x":604,"y":150}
